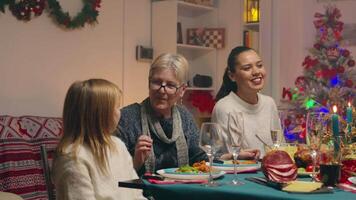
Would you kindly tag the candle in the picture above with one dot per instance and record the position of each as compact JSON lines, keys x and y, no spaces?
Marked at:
{"x":335,"y":122}
{"x":335,"y":127}
{"x":349,"y":113}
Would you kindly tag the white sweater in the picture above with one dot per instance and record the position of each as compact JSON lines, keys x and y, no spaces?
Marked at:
{"x":81,"y":179}
{"x":259,"y":118}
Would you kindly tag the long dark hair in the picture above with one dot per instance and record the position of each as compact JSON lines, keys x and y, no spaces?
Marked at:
{"x":228,"y":85}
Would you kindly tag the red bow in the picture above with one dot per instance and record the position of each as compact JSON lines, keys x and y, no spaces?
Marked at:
{"x":309,"y":62}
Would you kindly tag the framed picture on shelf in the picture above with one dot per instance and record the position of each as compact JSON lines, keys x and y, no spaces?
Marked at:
{"x":179,"y":33}
{"x":195,"y":36}
{"x":214,"y":37}
{"x":208,"y":37}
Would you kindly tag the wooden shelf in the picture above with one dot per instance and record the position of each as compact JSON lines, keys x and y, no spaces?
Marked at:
{"x":192,"y":10}
{"x":194,"y":47}
{"x":252,"y":26}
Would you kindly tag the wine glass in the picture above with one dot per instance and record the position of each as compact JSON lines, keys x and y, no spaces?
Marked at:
{"x":234,"y":140}
{"x":316,"y":125}
{"x":211,"y":142}
{"x":276,"y":136}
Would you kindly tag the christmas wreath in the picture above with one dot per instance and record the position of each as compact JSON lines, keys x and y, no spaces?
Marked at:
{"x":88,"y":14}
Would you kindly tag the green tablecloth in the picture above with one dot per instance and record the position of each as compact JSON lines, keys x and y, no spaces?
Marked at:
{"x":249,"y":190}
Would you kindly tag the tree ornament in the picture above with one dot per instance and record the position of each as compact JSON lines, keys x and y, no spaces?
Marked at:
{"x":345,"y":53}
{"x":340,"y":69}
{"x":317,"y":46}
{"x":332,"y":53}
{"x":351,"y":63}
{"x":88,"y":14}
{"x":349,"y":83}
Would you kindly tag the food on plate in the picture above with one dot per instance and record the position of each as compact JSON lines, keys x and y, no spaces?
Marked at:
{"x":301,"y":170}
{"x":245,"y":162}
{"x":279,"y":167}
{"x":309,"y":168}
{"x":187,"y":169}
{"x":196,"y":168}
{"x":302,"y":157}
{"x":201,"y":166}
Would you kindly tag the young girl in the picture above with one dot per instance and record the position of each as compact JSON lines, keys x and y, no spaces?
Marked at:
{"x":90,"y":161}
{"x":243,"y":79}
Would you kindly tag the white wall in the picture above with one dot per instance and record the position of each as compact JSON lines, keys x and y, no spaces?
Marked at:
{"x":39,"y":60}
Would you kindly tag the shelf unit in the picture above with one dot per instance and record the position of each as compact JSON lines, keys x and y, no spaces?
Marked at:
{"x":202,"y":60}
{"x":251,"y":31}
{"x":165,"y":16}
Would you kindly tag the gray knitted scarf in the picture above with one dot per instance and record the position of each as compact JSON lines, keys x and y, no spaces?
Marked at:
{"x":150,"y":122}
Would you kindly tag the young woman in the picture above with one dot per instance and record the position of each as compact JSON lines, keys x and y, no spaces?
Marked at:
{"x":90,"y":161}
{"x":243,"y":79}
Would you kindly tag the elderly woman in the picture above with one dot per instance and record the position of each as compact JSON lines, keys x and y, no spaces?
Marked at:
{"x":157,"y":132}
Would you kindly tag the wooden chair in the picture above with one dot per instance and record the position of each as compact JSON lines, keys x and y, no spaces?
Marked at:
{"x":47,"y":173}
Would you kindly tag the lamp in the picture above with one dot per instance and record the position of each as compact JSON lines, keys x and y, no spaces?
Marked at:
{"x":252,"y":11}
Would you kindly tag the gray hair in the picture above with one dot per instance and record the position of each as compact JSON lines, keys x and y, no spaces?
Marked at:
{"x":171,"y":61}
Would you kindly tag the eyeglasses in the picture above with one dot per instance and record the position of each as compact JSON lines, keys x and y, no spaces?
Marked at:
{"x":168,"y":88}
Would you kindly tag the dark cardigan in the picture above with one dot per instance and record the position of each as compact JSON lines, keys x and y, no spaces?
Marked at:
{"x":129,"y":129}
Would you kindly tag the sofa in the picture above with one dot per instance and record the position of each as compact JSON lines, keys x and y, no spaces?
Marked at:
{"x":21,"y":172}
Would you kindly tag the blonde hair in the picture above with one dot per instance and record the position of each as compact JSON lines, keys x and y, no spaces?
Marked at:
{"x":171,"y":61}
{"x":88,"y":119}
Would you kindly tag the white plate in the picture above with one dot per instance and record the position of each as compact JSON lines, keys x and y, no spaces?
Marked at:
{"x":352,"y":179}
{"x":171,"y":173}
{"x":240,"y":167}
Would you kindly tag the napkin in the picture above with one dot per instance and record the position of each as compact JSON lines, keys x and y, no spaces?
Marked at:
{"x":347,"y":187}
{"x":302,"y":186}
{"x":168,"y":182}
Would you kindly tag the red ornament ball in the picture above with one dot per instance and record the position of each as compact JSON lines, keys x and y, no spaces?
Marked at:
{"x":287,"y":122}
{"x":346,"y":53}
{"x":340,"y":69}
{"x":351,"y":63}
{"x":317,"y":46}
{"x":349,"y":83}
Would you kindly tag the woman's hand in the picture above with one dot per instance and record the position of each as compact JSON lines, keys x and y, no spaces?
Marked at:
{"x":249,"y":154}
{"x":142,"y":151}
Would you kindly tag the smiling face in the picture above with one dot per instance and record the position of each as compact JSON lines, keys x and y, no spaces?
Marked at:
{"x":249,"y":73}
{"x":162,"y":98}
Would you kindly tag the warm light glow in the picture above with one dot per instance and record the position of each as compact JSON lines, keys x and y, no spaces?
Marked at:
{"x":349,"y":104}
{"x":254,"y":14}
{"x":252,"y":11}
{"x":334,"y":109}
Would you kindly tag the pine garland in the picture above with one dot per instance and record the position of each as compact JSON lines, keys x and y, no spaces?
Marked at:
{"x":22,"y":11}
{"x":3,"y":3}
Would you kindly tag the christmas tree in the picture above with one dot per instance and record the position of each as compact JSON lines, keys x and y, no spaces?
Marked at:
{"x":329,"y":76}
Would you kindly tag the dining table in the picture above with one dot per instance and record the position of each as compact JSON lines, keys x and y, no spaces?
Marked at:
{"x":249,"y":190}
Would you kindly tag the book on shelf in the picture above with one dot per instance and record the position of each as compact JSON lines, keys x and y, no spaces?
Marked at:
{"x":251,"y":39}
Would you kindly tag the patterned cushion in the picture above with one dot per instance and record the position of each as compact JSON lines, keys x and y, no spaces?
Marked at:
{"x":20,"y":162}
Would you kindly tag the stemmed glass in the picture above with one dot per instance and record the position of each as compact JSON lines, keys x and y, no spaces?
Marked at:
{"x":211,"y":142}
{"x":234,"y":140}
{"x":316,"y":125}
{"x":276,"y":137}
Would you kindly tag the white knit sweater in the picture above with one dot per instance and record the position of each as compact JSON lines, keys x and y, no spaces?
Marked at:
{"x":81,"y":179}
{"x":259,"y":118}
